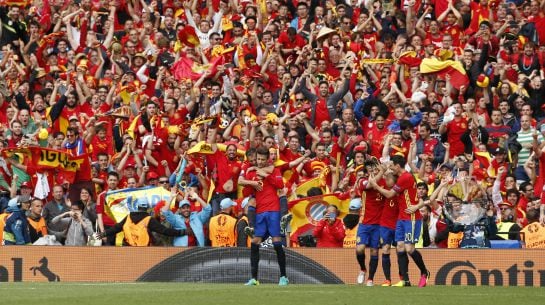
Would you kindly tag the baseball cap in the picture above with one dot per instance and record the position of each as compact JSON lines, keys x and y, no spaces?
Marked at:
{"x":26,"y":184}
{"x":227,"y":203}
{"x":505,"y":203}
{"x":500,"y":151}
{"x":446,"y":165}
{"x":152,"y":175}
{"x":355,"y":204}
{"x":73,"y":118}
{"x":12,"y":203}
{"x":142,"y":202}
{"x":130,"y":164}
{"x":184,"y":202}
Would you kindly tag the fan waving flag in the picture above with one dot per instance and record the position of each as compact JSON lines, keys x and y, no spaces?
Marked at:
{"x":409,"y":58}
{"x":189,"y":37}
{"x":47,"y":159}
{"x":185,"y":68}
{"x":454,"y":69}
{"x":307,"y":212}
{"x":119,"y":203}
{"x":302,"y":189}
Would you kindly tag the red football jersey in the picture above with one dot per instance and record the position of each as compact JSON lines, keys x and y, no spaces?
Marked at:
{"x":406,"y":196}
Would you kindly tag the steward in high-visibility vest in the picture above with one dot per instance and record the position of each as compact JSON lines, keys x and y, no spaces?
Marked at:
{"x":138,"y":225}
{"x":222,"y":227}
{"x":16,"y":224}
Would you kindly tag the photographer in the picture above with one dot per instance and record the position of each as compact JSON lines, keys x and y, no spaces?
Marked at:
{"x":477,"y":230}
{"x":330,"y":230}
{"x":78,"y":227}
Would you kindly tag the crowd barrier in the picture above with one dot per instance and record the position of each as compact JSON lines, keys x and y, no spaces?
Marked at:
{"x":497,"y":267}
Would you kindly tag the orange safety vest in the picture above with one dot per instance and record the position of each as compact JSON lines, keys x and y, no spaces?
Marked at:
{"x":136,"y":234}
{"x":454,"y":240}
{"x":350,"y":237}
{"x":222,"y":229}
{"x":533,"y":236}
{"x":39,"y":226}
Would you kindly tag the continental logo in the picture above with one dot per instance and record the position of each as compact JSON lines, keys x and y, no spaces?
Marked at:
{"x":466,"y":273}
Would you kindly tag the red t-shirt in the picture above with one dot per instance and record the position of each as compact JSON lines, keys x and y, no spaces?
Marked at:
{"x":455,"y":130}
{"x":191,"y":240}
{"x":107,"y":220}
{"x":101,"y":146}
{"x":178,"y":117}
{"x":406,"y":196}
{"x":429,"y":146}
{"x":376,"y":138}
{"x":288,"y":43}
{"x":225,"y":169}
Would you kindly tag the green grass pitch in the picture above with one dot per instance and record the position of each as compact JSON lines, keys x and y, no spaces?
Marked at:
{"x":225,"y":294}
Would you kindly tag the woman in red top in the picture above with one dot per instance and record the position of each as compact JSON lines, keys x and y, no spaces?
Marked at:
{"x":330,"y":230}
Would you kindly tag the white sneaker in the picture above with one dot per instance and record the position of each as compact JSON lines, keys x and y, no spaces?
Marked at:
{"x":361,"y":277}
{"x":369,"y":283}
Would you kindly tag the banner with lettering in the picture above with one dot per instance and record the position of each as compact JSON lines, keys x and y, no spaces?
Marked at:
{"x":120,"y":203}
{"x":43,"y":159}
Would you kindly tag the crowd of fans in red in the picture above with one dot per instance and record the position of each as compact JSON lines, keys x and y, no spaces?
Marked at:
{"x":320,"y":84}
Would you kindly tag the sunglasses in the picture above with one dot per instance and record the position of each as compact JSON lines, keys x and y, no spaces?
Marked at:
{"x":163,"y":181}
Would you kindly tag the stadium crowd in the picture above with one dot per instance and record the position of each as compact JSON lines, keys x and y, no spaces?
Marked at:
{"x":193,"y":95}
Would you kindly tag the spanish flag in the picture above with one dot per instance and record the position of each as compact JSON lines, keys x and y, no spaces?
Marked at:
{"x":307,"y":212}
{"x":483,"y":158}
{"x":204,"y":148}
{"x":454,"y":69}
{"x":189,"y":37}
{"x":302,"y":189}
{"x":132,"y":126}
{"x":409,"y":58}
{"x":185,"y":68}
{"x":60,"y":124}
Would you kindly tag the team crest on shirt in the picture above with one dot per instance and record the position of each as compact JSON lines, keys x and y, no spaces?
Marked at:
{"x":463,"y":125}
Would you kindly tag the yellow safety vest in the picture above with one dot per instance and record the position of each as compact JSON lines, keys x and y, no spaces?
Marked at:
{"x":136,"y":234}
{"x":223,"y":231}
{"x":503,"y":229}
{"x":533,"y":236}
{"x":350,"y":237}
{"x":454,"y":240}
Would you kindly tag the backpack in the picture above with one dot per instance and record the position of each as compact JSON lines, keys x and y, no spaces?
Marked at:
{"x":136,"y":234}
